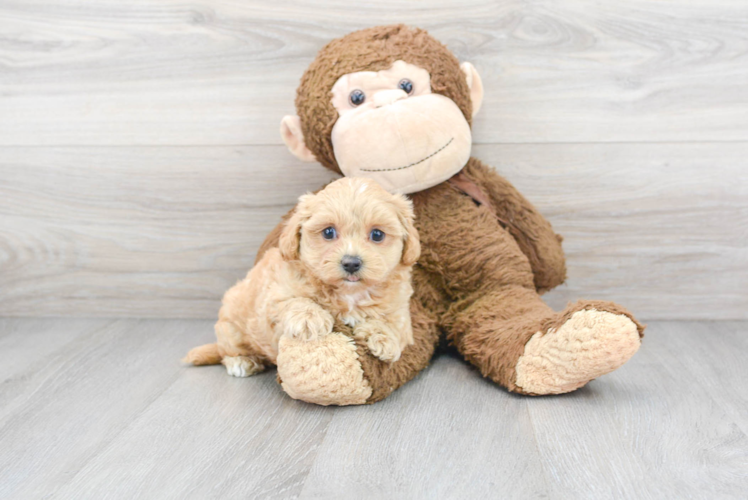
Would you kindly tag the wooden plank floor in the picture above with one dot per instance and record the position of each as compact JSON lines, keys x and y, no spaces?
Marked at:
{"x":98,"y":408}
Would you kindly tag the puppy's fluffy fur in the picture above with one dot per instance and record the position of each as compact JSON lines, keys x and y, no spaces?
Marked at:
{"x":301,"y":289}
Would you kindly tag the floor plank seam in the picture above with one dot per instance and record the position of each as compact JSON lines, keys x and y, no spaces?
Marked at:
{"x":543,"y":466}
{"x":10,"y":410}
{"x":718,"y":402}
{"x":107,"y":443}
{"x":316,"y":454}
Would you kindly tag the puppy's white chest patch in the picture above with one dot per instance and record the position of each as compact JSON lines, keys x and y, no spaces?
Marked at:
{"x":353,"y":301}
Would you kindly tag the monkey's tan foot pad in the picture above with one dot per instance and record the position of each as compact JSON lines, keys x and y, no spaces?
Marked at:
{"x":589,"y":344}
{"x":325,"y":371}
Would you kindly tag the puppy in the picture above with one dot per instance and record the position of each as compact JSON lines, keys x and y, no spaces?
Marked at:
{"x":345,"y":256}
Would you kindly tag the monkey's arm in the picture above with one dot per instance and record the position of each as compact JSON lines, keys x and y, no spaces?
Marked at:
{"x":532,"y":231}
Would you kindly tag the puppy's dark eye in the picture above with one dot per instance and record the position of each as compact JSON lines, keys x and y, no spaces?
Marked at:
{"x":376,"y":235}
{"x":405,"y":85}
{"x":357,"y":97}
{"x":329,"y":233}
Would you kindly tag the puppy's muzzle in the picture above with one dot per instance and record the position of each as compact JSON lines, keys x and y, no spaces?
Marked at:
{"x":351,"y":264}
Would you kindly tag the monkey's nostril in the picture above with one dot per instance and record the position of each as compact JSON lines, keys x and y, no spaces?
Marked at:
{"x":351,"y":264}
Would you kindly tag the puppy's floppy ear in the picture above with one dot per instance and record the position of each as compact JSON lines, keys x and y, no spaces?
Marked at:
{"x":411,"y":241}
{"x":290,"y":237}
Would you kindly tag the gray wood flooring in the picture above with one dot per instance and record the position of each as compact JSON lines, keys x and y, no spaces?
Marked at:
{"x":99,"y":408}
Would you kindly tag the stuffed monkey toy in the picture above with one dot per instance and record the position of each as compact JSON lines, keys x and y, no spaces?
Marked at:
{"x":392,"y":104}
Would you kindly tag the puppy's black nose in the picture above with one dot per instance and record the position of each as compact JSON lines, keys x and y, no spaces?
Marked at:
{"x":351,"y":264}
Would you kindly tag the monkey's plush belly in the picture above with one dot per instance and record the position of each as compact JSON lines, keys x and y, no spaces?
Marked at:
{"x":465,"y":245}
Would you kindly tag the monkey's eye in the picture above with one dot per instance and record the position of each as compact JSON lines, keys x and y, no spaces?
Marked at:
{"x":329,"y":233}
{"x":405,"y":85}
{"x":357,"y":97}
{"x":376,"y":235}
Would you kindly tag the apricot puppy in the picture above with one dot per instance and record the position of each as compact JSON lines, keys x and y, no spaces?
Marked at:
{"x":345,"y":255}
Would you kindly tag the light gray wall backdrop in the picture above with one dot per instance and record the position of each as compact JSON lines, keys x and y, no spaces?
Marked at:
{"x":141,"y":165}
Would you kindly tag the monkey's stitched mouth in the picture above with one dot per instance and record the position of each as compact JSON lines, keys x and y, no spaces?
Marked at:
{"x":412,"y":164}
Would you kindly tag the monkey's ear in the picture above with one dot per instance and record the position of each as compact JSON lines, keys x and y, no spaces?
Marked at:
{"x":294,"y":138}
{"x":475,"y":84}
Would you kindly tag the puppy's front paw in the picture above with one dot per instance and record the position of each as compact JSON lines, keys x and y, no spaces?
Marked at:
{"x":384,"y":347}
{"x":309,"y":324}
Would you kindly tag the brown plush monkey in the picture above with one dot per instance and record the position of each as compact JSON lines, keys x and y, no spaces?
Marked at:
{"x":393,"y":104}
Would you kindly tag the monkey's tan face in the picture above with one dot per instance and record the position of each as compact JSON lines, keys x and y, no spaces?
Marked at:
{"x":393,"y":129}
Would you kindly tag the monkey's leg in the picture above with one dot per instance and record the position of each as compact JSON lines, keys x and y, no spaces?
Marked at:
{"x":516,"y":340}
{"x":337,"y":370}
{"x":496,"y":318}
